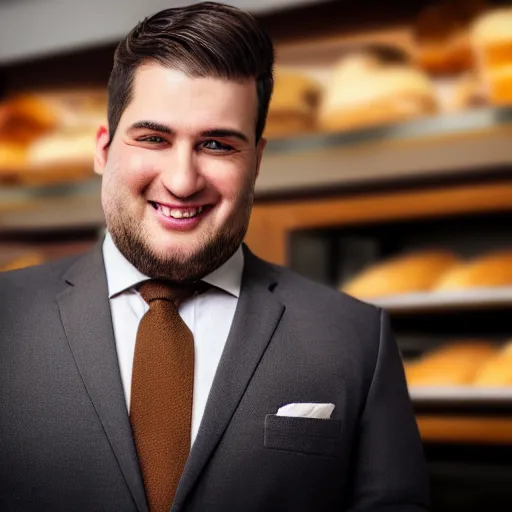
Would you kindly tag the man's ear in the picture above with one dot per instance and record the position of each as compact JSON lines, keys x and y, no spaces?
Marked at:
{"x":259,"y":154}
{"x":101,"y":152}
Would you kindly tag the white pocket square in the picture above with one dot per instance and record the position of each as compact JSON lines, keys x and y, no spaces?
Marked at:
{"x":321,"y":411}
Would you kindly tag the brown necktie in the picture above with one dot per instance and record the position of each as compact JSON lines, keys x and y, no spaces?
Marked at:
{"x":161,"y":396}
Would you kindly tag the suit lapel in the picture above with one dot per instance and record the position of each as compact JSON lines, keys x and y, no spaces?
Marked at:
{"x":256,"y":318}
{"x":85,"y":314}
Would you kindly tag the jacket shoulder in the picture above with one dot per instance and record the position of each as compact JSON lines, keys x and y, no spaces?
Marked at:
{"x":45,"y":275}
{"x":314,"y":295}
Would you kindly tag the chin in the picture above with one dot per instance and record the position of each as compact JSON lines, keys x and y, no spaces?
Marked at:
{"x":175,"y":249}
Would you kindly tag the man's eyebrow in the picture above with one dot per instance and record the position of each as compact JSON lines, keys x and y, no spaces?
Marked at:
{"x":151,"y":125}
{"x":162,"y":128}
{"x":224,"y":133}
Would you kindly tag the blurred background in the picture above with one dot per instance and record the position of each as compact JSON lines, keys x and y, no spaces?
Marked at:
{"x":387,"y":175}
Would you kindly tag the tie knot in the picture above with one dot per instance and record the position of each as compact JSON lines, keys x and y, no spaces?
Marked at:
{"x":157,"y":289}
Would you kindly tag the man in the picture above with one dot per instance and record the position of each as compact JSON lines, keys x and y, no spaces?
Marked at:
{"x":160,"y":369}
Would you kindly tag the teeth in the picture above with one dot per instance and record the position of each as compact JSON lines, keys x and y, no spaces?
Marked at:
{"x":176,"y":213}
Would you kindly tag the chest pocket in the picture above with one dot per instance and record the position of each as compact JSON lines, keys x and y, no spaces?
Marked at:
{"x":304,"y":435}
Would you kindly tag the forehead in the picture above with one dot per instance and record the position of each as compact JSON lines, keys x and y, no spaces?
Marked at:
{"x":172,"y":97}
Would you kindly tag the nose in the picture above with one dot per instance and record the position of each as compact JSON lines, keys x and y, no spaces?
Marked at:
{"x":181,"y":175}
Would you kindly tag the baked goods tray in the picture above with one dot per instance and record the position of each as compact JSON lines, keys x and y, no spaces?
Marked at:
{"x":474,"y":298}
{"x":464,"y":144}
{"x":441,"y":125}
{"x":464,"y":396}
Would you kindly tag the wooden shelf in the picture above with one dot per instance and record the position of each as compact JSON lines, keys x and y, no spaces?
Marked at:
{"x":465,"y":429}
{"x":460,"y":300}
{"x":47,"y":175}
{"x":461,"y":415}
{"x":272,"y":223}
{"x":464,"y":396}
{"x":463,"y":144}
{"x":59,"y":207}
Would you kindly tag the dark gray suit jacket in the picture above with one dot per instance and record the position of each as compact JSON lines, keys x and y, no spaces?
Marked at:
{"x":65,"y":438}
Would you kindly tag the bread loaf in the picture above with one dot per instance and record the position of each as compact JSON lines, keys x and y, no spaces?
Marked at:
{"x":496,"y":371}
{"x":442,"y":35}
{"x":366,"y":89}
{"x":492,"y":43}
{"x":13,"y":157}
{"x":49,"y":136}
{"x":500,"y":85}
{"x":492,"y":36}
{"x":60,"y":110}
{"x":453,"y":364}
{"x":493,"y":269}
{"x":412,"y":272}
{"x":26,"y":113}
{"x":63,"y":148}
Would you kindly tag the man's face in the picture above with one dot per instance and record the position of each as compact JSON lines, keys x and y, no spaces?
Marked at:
{"x":179,"y":174}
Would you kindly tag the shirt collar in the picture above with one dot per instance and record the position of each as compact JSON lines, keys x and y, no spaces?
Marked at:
{"x":122,"y":275}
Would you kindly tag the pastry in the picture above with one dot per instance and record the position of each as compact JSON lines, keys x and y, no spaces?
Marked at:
{"x":492,"y":43}
{"x":413,"y":272}
{"x":26,"y":118}
{"x":496,"y":371}
{"x":368,"y":88}
{"x":60,"y":157}
{"x":493,"y":269}
{"x":13,"y":157}
{"x":442,"y":36}
{"x":293,"y":104}
{"x":61,"y":148}
{"x":59,"y":110}
{"x":452,"y":364}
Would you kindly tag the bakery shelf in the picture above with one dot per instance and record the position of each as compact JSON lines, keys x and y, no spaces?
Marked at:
{"x":65,"y":206}
{"x":462,"y":395}
{"x":462,"y":415}
{"x":430,"y":126}
{"x":465,"y":429}
{"x":463,"y":143}
{"x":425,"y":302}
{"x":47,"y":175}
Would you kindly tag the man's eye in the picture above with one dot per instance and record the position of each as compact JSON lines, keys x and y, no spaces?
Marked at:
{"x":152,"y":139}
{"x":216,"y":145}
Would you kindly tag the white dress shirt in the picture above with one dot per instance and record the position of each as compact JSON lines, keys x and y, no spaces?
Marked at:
{"x":209,"y":316}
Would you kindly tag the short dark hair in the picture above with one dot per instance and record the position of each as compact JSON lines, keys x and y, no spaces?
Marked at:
{"x":207,"y":39}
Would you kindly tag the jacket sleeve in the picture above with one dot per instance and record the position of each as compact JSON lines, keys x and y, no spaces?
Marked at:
{"x":390,"y":473}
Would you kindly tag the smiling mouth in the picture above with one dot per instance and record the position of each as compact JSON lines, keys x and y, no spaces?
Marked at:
{"x":178,"y":213}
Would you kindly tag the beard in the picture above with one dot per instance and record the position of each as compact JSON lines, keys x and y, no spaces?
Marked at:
{"x":213,"y":251}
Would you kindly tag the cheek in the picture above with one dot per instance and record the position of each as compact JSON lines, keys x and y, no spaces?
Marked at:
{"x":134,"y":171}
{"x":231,"y":180}
{"x":229,"y":187}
